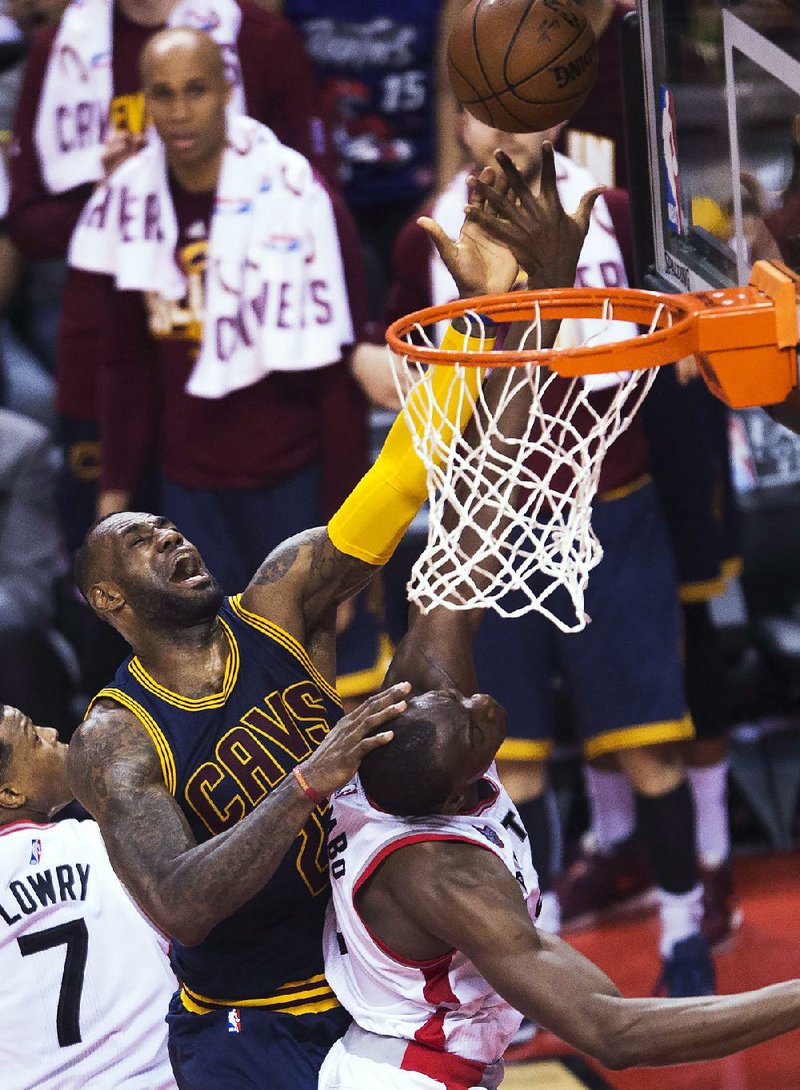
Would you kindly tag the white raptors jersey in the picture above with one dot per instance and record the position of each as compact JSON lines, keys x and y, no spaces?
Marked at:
{"x":85,"y":979}
{"x":445,"y":1004}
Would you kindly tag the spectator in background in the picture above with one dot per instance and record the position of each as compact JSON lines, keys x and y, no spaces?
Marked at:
{"x":232,"y":369}
{"x":82,"y":79}
{"x":25,"y":384}
{"x":32,"y":672}
{"x":382,"y":68}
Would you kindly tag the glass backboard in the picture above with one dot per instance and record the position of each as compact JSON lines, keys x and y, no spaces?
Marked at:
{"x":722,"y":90}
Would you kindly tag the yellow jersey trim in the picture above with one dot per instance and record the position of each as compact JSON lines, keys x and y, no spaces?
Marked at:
{"x":704,"y":589}
{"x":156,"y":734}
{"x":188,"y":703}
{"x":364,"y":682}
{"x":732,"y":567}
{"x":312,"y":996}
{"x":287,"y":641}
{"x":647,"y":734}
{"x":624,"y":489}
{"x":524,"y":749}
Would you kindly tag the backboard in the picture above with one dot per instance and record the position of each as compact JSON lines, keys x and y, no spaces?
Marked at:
{"x":722,"y":99}
{"x":718,"y":113}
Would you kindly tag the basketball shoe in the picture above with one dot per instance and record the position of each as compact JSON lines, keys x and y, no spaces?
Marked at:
{"x":688,"y":971}
{"x":599,"y":885}
{"x":722,"y":917}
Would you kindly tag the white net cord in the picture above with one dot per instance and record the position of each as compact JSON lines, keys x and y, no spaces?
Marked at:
{"x":512,"y":513}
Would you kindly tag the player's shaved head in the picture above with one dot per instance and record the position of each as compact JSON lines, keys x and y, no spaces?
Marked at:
{"x":412,"y":776}
{"x":185,"y":43}
{"x":86,"y":568}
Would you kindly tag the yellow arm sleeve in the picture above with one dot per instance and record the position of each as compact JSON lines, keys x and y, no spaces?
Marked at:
{"x":379,"y":510}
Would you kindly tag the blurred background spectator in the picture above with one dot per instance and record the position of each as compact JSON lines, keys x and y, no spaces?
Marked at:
{"x":382,"y":70}
{"x":34,"y":660}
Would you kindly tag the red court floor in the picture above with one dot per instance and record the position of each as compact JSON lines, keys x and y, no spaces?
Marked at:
{"x":767,"y":949}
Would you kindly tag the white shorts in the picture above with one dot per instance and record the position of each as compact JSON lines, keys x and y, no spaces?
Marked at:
{"x":366,"y":1061}
{"x":343,"y":1071}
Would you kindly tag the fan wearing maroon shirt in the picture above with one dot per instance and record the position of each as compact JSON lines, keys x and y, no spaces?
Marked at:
{"x":243,"y":471}
{"x":279,"y":91}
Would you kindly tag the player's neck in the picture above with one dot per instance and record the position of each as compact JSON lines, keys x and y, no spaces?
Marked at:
{"x":152,"y":13}
{"x":187,"y":661}
{"x":198,"y":177}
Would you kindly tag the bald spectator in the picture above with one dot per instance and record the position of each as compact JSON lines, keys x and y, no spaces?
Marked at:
{"x":220,"y":306}
{"x":82,"y":96}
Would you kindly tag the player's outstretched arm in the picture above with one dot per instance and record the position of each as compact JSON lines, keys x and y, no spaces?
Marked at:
{"x":555,"y":986}
{"x":187,"y":888}
{"x":300,"y":584}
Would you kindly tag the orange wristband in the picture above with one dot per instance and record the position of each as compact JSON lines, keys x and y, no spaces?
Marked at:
{"x":306,"y":787}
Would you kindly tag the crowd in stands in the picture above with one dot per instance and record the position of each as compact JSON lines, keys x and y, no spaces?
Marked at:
{"x":133,"y":375}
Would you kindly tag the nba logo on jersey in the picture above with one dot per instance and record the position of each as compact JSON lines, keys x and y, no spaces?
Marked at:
{"x":669,"y":151}
{"x":36,"y":850}
{"x":490,"y":834}
{"x":234,"y":1021}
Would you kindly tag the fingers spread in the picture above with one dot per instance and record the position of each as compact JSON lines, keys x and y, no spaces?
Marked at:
{"x":584,"y":211}
{"x":441,"y":240}
{"x":515,"y":179}
{"x":549,"y":184}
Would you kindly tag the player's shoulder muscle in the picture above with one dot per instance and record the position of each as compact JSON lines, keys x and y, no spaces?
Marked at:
{"x":110,"y":754}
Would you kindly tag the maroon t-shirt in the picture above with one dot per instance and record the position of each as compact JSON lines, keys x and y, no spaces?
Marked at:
{"x":627,"y":458}
{"x":248,"y":439}
{"x":279,"y":91}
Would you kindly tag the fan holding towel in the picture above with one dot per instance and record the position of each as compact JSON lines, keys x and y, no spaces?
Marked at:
{"x":220,"y":275}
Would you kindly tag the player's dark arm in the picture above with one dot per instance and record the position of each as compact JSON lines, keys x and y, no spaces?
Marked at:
{"x":187,"y":888}
{"x":788,"y":412}
{"x":555,"y":986}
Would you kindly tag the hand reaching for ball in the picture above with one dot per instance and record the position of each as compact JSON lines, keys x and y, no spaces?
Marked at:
{"x":541,"y":236}
{"x":479,"y":262}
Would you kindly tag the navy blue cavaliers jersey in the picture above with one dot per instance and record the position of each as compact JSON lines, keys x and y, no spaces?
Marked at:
{"x":220,"y":755}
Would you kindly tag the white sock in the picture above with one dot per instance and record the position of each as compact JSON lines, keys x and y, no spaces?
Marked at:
{"x":612,"y":806}
{"x":710,"y":793}
{"x":680,"y":915}
{"x":549,"y":918}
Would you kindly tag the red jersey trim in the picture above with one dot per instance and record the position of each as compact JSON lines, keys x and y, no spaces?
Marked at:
{"x":456,"y":1072}
{"x":16,"y":826}
{"x":374,"y":864}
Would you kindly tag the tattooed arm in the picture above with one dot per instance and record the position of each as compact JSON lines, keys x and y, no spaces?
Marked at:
{"x":187,"y":888}
{"x":299,"y":586}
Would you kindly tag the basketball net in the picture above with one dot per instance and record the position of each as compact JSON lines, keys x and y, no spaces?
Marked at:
{"x":512,"y":513}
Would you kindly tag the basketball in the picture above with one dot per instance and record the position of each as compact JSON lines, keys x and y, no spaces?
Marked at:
{"x":522,"y":65}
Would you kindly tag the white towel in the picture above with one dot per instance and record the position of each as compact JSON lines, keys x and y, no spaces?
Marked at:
{"x":276,"y":298}
{"x":72,"y":120}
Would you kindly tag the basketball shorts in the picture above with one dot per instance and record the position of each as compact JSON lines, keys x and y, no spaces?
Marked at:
{"x":687,"y":432}
{"x":365,"y":1061}
{"x":623,"y":673}
{"x":248,"y":1048}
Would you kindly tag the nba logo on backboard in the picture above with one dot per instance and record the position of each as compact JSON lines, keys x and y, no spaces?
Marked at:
{"x":234,"y":1021}
{"x":669,"y":153}
{"x":36,"y":850}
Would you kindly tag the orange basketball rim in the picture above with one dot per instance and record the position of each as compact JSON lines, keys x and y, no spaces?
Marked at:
{"x":745,"y":339}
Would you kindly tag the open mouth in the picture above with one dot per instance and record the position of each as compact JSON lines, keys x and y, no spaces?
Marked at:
{"x":188,"y":570}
